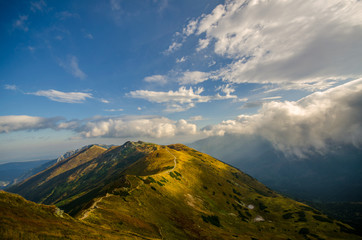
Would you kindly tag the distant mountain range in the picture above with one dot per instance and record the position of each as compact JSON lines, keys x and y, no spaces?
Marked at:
{"x":11,"y":173}
{"x":147,"y":191}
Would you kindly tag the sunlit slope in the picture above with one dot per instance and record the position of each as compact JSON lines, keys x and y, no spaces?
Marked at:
{"x":203,"y":198}
{"x":40,"y":187}
{"x":22,"y":219}
{"x":175,"y":192}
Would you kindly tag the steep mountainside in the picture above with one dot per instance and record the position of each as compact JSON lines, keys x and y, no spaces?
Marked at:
{"x":173,"y":192}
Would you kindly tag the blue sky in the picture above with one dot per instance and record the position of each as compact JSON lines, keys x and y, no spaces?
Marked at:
{"x":80,"y":72}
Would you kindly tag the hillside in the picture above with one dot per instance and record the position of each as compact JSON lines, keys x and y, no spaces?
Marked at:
{"x":22,"y":219}
{"x":173,"y":192}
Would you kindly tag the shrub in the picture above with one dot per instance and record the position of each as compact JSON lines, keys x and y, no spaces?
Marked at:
{"x":213,"y":219}
{"x":174,"y":176}
{"x":304,"y":231}
{"x":288,"y":216}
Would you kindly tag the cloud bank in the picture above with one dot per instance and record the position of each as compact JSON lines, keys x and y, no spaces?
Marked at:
{"x":310,"y":124}
{"x":107,"y":127}
{"x":22,"y":122}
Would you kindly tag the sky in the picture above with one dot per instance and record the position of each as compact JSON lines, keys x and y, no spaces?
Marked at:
{"x":166,"y":71}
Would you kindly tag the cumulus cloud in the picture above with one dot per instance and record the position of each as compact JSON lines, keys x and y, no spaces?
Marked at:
{"x":293,"y":44}
{"x":22,"y":122}
{"x":66,"y":97}
{"x":72,"y":66}
{"x":310,"y":124}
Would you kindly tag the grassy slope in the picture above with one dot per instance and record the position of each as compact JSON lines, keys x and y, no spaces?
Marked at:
{"x":203,"y":199}
{"x":22,"y":219}
{"x":42,"y":184}
{"x":137,"y":189}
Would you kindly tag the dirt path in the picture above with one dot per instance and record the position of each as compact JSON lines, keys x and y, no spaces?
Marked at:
{"x":174,"y":160}
{"x":89,"y":210}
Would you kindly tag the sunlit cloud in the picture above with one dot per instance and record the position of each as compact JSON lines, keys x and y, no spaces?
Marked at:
{"x":305,"y":125}
{"x":65,"y":97}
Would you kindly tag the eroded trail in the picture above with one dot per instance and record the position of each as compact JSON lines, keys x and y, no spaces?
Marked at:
{"x":89,"y":210}
{"x":174,"y":160}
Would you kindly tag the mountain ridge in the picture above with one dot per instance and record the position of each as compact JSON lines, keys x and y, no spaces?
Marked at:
{"x":175,"y":192}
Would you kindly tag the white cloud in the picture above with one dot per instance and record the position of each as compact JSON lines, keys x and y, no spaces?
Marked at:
{"x":143,"y":126}
{"x":66,"y":97}
{"x":203,"y":43}
{"x":310,"y":124}
{"x":301,"y":44}
{"x":22,"y":122}
{"x":111,"y":127}
{"x":227,"y":89}
{"x":21,"y":23}
{"x":139,"y":108}
{"x":173,"y":47}
{"x":175,"y":107}
{"x":180,"y":60}
{"x":272,"y":98}
{"x":182,"y":95}
{"x":193,"y":77}
{"x":114,"y":110}
{"x":160,"y":79}
{"x":104,"y":100}
{"x":190,"y":28}
{"x":180,"y":100}
{"x":10,"y":87}
{"x":71,"y":66}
